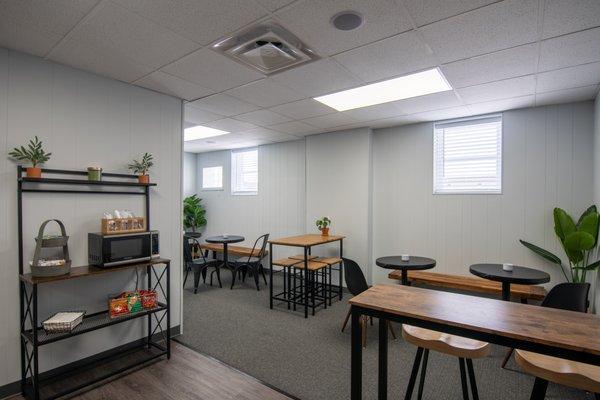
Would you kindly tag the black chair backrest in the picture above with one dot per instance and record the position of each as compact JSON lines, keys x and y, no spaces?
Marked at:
{"x":568,"y":296}
{"x":261,"y":254}
{"x":188,"y":244}
{"x":355,"y":279}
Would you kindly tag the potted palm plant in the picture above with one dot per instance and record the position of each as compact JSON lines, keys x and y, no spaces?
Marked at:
{"x":323,"y":225}
{"x":194,"y":214}
{"x":578,"y":240}
{"x":34,"y":154}
{"x":142,"y":167}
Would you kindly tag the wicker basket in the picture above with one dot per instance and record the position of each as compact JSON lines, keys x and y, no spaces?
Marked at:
{"x":51,"y":326}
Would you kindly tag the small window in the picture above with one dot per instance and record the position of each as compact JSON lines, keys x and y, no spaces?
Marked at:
{"x":212,"y":178}
{"x":244,"y":171}
{"x":467,"y":156}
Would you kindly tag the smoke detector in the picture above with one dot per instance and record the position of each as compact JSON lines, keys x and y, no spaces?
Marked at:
{"x":266,"y":47}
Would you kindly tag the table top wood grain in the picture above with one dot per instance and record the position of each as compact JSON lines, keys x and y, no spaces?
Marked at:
{"x":306,"y":240}
{"x":562,"y":329}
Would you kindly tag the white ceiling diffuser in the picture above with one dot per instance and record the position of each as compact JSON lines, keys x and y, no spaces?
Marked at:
{"x":266,"y":47}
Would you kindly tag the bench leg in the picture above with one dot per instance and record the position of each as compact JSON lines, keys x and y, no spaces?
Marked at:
{"x":507,"y":357}
{"x":346,"y":319}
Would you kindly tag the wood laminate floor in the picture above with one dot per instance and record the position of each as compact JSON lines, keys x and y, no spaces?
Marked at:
{"x":188,"y":375}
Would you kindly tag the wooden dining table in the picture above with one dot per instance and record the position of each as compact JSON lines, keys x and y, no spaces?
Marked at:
{"x":560,"y":333}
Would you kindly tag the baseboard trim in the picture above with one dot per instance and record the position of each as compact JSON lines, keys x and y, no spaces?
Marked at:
{"x":14,"y":388}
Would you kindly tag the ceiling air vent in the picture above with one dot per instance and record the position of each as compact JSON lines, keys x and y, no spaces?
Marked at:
{"x":267,"y":48}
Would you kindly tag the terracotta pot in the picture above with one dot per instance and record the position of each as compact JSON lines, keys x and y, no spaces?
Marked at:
{"x":144,"y":178}
{"x":325,"y":231}
{"x":34,"y":172}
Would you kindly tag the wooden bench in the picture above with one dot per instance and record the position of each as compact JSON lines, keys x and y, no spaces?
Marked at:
{"x":240,"y":251}
{"x":471,"y":284}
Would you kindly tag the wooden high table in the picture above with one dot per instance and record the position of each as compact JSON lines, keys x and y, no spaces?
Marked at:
{"x":550,"y":331}
{"x":306,"y":242}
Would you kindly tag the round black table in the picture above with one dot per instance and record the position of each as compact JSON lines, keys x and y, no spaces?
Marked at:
{"x":225,"y":241}
{"x":519,"y":275}
{"x":413,"y":264}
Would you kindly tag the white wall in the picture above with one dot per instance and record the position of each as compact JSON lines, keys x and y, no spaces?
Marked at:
{"x":597,"y":182}
{"x":338,"y":175}
{"x":278,"y":208}
{"x":190,"y":178}
{"x":82,"y":119}
{"x":548,"y":157}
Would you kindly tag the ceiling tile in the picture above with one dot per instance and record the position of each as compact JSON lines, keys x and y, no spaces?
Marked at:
{"x":434,"y":101}
{"x":514,"y":87}
{"x":210,"y":69}
{"x":317,"y":78}
{"x":262,"y":117}
{"x":502,"y":105}
{"x":578,"y":76}
{"x":273,"y":5}
{"x":198,"y":116}
{"x":428,"y":11}
{"x":387,"y":58}
{"x":310,"y":20}
{"x":35,"y":26}
{"x":120,"y":44}
{"x":566,"y":51}
{"x":396,"y":121}
{"x":495,"y":27}
{"x":518,"y":61}
{"x":223,"y":105}
{"x":566,"y":96}
{"x":265,"y":93}
{"x":303,"y":109}
{"x":293,"y":127}
{"x":378,"y":111}
{"x":174,"y":86}
{"x":230,"y":125}
{"x":201,"y":21}
{"x":446,"y":113}
{"x":260,"y":133}
{"x":331,"y":120}
{"x":562,"y":16}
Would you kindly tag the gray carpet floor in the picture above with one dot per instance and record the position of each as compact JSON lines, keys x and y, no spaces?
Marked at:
{"x":310,"y":358}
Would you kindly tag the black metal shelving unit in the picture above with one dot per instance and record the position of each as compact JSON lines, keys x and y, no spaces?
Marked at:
{"x":97,"y":369}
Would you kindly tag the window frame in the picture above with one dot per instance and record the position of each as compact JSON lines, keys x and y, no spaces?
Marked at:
{"x":234,"y":191}
{"x":212,"y":188}
{"x":499,"y":160}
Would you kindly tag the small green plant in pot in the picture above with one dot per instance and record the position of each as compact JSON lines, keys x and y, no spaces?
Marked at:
{"x":194,"y":214}
{"x":578,"y":240}
{"x":142,"y":167}
{"x":34,"y":153}
{"x":323,"y":225}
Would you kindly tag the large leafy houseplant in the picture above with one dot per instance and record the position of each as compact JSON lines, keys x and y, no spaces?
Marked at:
{"x":578,"y":240}
{"x":194,"y":214}
{"x":34,"y":153}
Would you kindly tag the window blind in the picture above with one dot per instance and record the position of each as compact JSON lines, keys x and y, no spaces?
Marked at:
{"x":212,"y":177}
{"x":468,"y":156}
{"x":244,"y":171}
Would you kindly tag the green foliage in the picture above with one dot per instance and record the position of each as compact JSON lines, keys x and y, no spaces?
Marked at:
{"x":578,"y":240}
{"x":34,"y":153}
{"x":141,"y":167}
{"x":323,"y":222}
{"x":193,"y":213}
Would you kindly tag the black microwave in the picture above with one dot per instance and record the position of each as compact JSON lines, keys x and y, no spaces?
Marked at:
{"x":113,"y":250}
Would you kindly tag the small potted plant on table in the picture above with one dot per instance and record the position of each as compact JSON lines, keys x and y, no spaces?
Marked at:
{"x":142,"y":167}
{"x":34,"y":153}
{"x":323,"y":225}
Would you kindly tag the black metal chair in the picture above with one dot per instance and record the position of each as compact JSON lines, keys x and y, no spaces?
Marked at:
{"x":198,"y":265}
{"x":565,"y":296}
{"x":251,"y":264}
{"x":356,"y":284}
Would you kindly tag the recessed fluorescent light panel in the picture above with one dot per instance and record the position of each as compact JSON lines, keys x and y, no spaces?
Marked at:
{"x":419,"y":84}
{"x":201,"y":132}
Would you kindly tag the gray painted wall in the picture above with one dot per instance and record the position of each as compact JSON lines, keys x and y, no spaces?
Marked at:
{"x":82,"y":119}
{"x":190,"y":178}
{"x":597,"y":182}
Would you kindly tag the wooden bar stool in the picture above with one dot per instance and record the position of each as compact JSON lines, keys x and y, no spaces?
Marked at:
{"x":463,"y":348}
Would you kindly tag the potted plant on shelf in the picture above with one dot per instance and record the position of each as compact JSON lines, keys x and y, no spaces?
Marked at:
{"x":578,"y":240}
{"x":194,"y":214}
{"x":323,"y":225}
{"x":34,"y":153}
{"x":141,"y":167}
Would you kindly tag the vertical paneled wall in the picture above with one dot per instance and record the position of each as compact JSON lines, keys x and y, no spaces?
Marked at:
{"x":83,"y":119}
{"x":597,"y":183}
{"x":547,"y":156}
{"x":278,"y":208}
{"x":190,"y":167}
